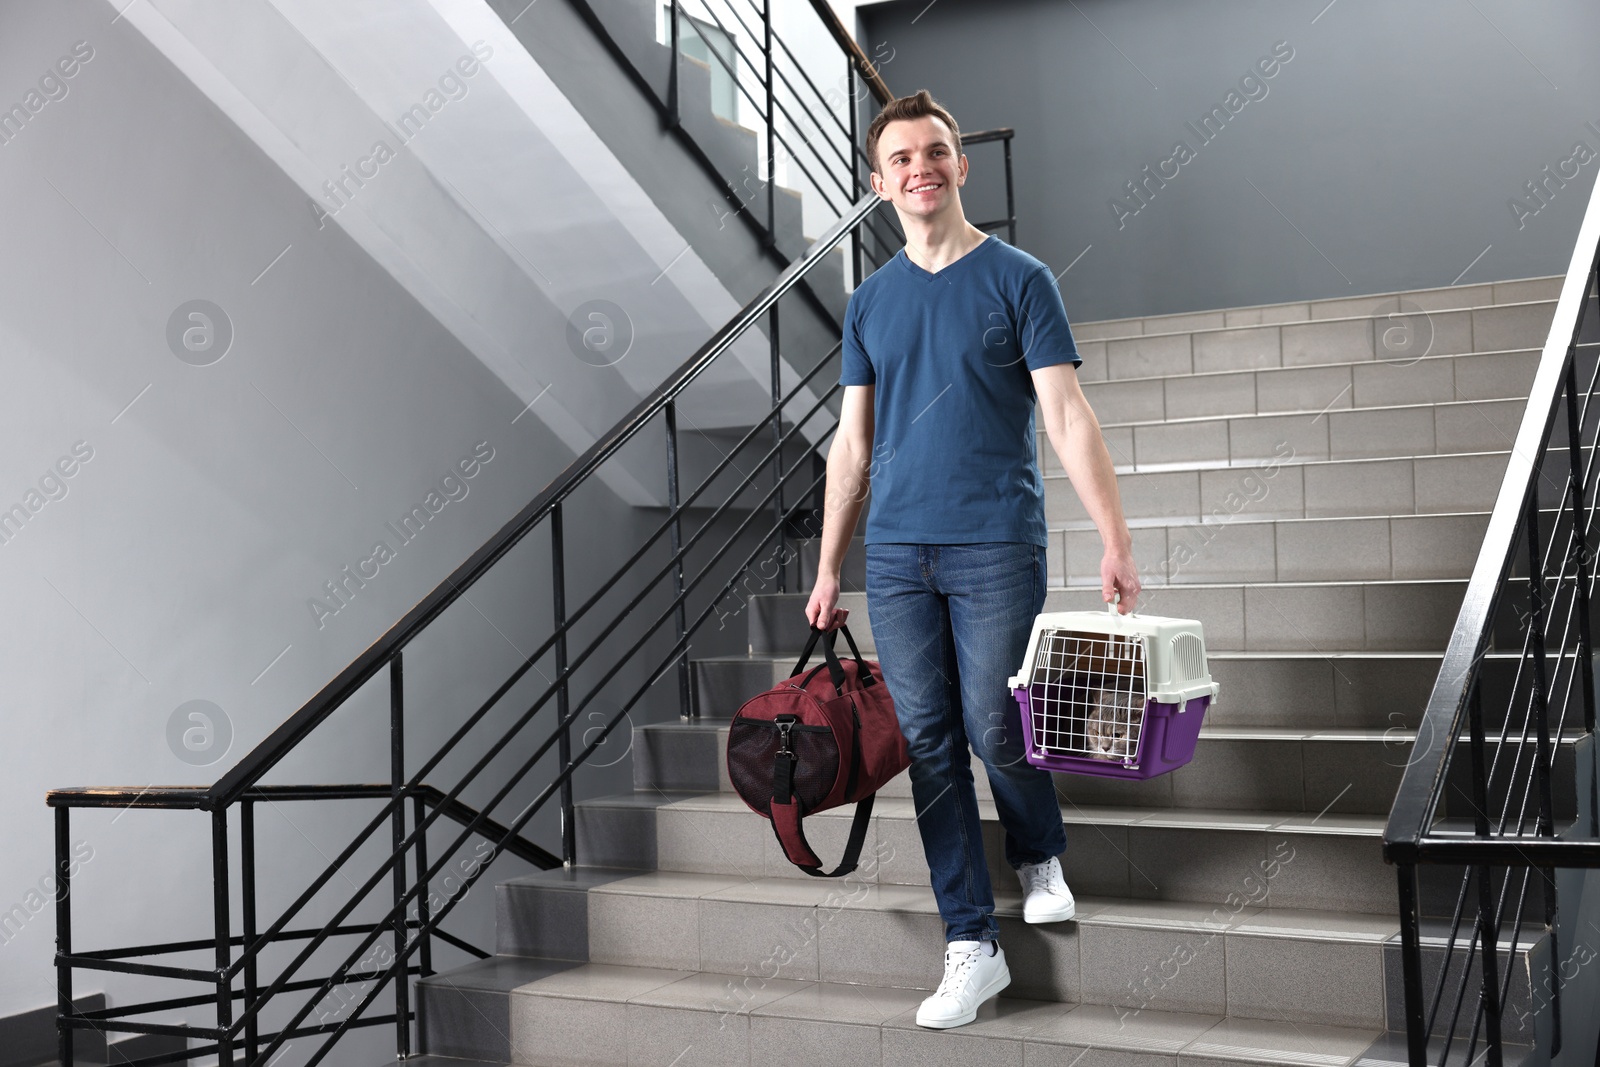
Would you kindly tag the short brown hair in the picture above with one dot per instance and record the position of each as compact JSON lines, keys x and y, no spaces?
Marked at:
{"x":915,"y":106}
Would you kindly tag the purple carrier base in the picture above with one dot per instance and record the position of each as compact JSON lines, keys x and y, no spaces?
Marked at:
{"x":1166,"y":741}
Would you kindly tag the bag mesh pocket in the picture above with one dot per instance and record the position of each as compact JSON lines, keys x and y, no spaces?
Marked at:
{"x":752,"y":744}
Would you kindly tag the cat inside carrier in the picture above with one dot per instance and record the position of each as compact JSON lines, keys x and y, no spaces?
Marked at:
{"x":1120,"y":696}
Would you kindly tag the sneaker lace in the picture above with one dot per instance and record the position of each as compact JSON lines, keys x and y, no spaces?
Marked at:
{"x":957,"y":967}
{"x":1036,"y":876}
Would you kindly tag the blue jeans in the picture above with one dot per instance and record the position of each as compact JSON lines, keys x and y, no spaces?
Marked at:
{"x":951,"y":624}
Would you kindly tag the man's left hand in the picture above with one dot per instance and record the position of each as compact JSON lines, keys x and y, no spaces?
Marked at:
{"x":1120,"y":574}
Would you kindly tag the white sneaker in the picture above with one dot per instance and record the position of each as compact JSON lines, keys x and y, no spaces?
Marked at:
{"x":1045,"y":896}
{"x":970,"y":978}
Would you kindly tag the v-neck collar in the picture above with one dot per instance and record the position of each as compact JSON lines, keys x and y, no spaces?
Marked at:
{"x":944,"y":271}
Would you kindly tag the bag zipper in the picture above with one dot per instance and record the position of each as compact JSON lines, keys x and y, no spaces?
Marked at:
{"x":802,"y":727}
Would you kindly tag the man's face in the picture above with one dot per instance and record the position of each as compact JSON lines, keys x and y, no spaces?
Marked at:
{"x":919,"y":171}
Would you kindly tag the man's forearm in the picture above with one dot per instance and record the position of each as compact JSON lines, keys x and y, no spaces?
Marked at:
{"x":845,"y":493}
{"x":1082,"y":451}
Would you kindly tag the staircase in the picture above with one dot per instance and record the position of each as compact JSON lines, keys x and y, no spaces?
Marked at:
{"x":1315,"y":492}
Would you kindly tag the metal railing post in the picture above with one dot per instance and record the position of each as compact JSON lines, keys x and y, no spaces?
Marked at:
{"x":1545,"y":826}
{"x":1411,"y":966}
{"x":247,"y":889}
{"x":1580,"y":522}
{"x":1488,"y":925}
{"x":558,"y":596}
{"x":772,"y":130}
{"x":66,"y":1037}
{"x":777,"y":443}
{"x":397,"y":822}
{"x":856,"y":183}
{"x":1011,"y":201}
{"x":419,"y":812}
{"x":219,"y":912}
{"x":673,"y":117}
{"x":1489,"y":972}
{"x":680,"y":618}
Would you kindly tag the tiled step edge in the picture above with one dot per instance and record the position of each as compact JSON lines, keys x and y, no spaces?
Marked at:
{"x":598,"y":1014}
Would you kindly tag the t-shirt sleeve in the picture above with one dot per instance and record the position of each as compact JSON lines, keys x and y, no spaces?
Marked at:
{"x":1047,"y":335}
{"x":854,"y":366}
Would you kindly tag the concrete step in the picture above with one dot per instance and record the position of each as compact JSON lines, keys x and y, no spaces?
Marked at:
{"x":1364,"y":333}
{"x":1331,"y":616}
{"x":1121,"y":851}
{"x":858,"y":933}
{"x":1301,"y":489}
{"x":1244,"y":550}
{"x":559,"y":1012}
{"x":1391,"y":1050}
{"x":1340,"y":386}
{"x":1443,"y":298}
{"x":1404,"y":547}
{"x":1174,"y":854}
{"x":1393,"y":432}
{"x":1239,"y":959}
{"x":1235,"y":768}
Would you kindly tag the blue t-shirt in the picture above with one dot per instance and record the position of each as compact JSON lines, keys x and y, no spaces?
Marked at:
{"x":954,"y":458}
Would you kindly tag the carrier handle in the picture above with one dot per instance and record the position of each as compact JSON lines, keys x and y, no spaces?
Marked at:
{"x":1111,"y":605}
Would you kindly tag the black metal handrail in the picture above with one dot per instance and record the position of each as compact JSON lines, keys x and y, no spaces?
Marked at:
{"x":1522,"y":645}
{"x":126,"y":960}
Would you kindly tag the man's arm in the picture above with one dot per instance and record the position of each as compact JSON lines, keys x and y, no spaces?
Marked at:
{"x":1074,"y":433}
{"x":849,"y":478}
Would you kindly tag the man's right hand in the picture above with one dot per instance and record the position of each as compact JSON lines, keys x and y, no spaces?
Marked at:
{"x":822,"y":610}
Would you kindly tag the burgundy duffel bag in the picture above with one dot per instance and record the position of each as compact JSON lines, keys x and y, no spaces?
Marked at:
{"x":815,"y":742}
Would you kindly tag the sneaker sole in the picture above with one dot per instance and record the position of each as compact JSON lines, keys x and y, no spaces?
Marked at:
{"x":1052,"y":917}
{"x":992,"y":989}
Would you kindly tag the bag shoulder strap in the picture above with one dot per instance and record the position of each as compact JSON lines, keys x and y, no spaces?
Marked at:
{"x":787,"y":818}
{"x":786,"y":824}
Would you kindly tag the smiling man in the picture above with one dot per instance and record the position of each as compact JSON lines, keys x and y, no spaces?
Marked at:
{"x":947,"y":349}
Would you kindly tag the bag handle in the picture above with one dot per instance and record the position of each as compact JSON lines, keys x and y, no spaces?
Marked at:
{"x":831,"y":658}
{"x":835,"y":668}
{"x":863,"y":672}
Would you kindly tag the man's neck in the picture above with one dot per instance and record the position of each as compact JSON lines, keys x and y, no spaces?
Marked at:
{"x":937,"y":243}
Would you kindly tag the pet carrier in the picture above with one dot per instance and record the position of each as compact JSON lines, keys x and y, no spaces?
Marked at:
{"x":1118,"y":696}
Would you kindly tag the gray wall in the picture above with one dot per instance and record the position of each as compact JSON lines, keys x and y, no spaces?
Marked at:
{"x":176,"y":564}
{"x":1383,"y":154}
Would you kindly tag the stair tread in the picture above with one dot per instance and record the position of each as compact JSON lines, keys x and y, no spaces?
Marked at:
{"x":1354,"y":927}
{"x":1156,"y":522}
{"x":1275,"y":325}
{"x":1198,"y":466}
{"x":1087,"y":814}
{"x":1306,"y":583}
{"x":1548,"y":278}
{"x":1147,"y":1030}
{"x":1531,"y":353}
{"x":1311,"y":413}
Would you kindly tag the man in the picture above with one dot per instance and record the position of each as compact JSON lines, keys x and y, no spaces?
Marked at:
{"x":945,"y":349}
